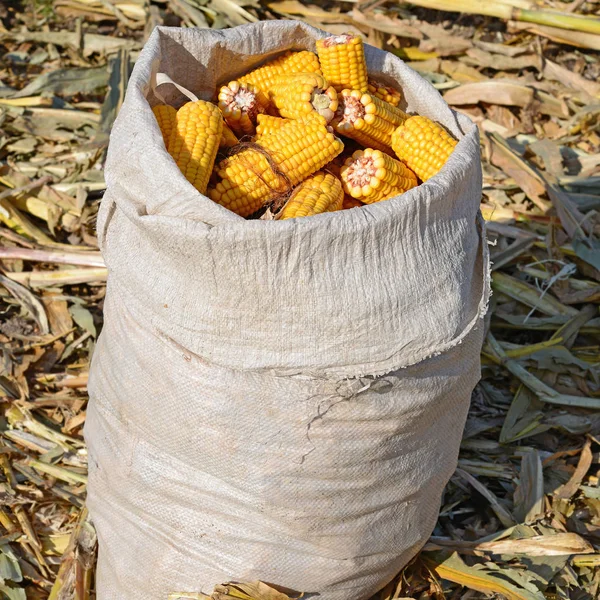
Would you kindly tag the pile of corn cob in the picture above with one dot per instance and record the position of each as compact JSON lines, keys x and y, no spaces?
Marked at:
{"x":276,"y":129}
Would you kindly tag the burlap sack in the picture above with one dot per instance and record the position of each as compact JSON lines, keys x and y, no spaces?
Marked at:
{"x":278,"y":400}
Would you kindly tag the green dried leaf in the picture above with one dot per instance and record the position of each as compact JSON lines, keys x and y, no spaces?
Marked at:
{"x":501,"y":511}
{"x":91,"y":42}
{"x":557,"y":357}
{"x":543,"y":391}
{"x":83,"y":317}
{"x":575,"y":424}
{"x":529,"y":295}
{"x":590,"y":492}
{"x":524,"y":578}
{"x":478,"y":578}
{"x":9,"y":565}
{"x":12,"y":593}
{"x":66,"y":82}
{"x":29,"y":302}
{"x":545,"y":568}
{"x":529,"y":494}
{"x":524,"y":417}
{"x":570,"y":216}
{"x":589,"y":251}
{"x":119,"y":76}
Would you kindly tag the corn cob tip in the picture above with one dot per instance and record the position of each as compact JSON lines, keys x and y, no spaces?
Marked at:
{"x":325,"y":102}
{"x":240,"y":104}
{"x":351,"y":111}
{"x":298,"y":94}
{"x":384,"y":92}
{"x":372,"y":175}
{"x":339,"y":40}
{"x":360,"y":172}
{"x":367,"y":119}
{"x":343,"y":61}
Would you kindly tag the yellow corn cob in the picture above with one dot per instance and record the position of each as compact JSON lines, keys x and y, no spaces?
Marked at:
{"x":372,"y":175}
{"x":423,"y":145}
{"x":194,"y":141}
{"x":247,"y":180}
{"x":290,"y":62}
{"x":165,"y":116}
{"x":367,"y":119}
{"x":228,"y":138}
{"x":350,"y":202}
{"x":318,"y":194}
{"x":299,"y":94}
{"x":384,"y":92}
{"x":268,"y":124}
{"x":240,"y":104}
{"x":343,"y":62}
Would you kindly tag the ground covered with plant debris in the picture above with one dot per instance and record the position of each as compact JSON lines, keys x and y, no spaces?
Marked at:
{"x":521,"y":516}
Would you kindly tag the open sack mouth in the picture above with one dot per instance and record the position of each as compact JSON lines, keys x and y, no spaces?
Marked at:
{"x":276,"y":131}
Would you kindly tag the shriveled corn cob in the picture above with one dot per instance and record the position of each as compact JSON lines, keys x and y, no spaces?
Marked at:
{"x":290,"y":62}
{"x":240,"y":104}
{"x":299,"y":94}
{"x":268,"y":124}
{"x":228,"y":138}
{"x":343,"y":62}
{"x":247,"y":180}
{"x":165,"y":116}
{"x":194,"y":141}
{"x":423,"y":145}
{"x":322,"y":192}
{"x":372,"y":175}
{"x":350,"y":202}
{"x":384,"y":92}
{"x":367,"y":119}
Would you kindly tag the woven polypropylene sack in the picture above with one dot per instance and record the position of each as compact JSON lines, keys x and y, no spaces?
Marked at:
{"x":275,"y":400}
